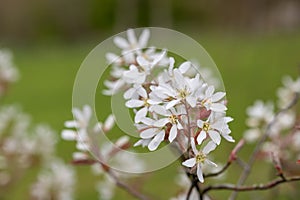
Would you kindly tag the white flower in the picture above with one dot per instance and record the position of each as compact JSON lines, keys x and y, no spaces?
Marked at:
{"x":260,"y":113}
{"x":210,"y":100}
{"x":252,"y":135}
{"x":151,"y":135}
{"x":137,"y":74}
{"x":8,"y":72}
{"x":287,"y":92}
{"x":132,"y":43}
{"x":200,"y":158}
{"x":55,"y":182}
{"x":106,"y":188}
{"x":171,"y":116}
{"x":143,"y":102}
{"x":214,"y":127}
{"x":81,"y":123}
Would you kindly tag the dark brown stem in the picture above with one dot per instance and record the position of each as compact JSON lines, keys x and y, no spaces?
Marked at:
{"x":266,"y":186}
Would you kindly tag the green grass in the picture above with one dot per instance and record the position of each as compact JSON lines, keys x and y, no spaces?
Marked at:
{"x":251,"y":66}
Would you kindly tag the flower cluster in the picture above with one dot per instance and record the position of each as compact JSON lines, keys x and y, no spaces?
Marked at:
{"x":23,"y":146}
{"x":169,"y":104}
{"x":107,"y":154}
{"x":56,"y":181}
{"x":283,"y":137}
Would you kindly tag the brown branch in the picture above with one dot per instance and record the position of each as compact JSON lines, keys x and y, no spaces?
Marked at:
{"x":258,"y":146}
{"x":232,"y":157}
{"x":266,"y":186}
{"x":126,"y":187}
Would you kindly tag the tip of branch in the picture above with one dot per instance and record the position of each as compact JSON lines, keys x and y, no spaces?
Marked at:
{"x":236,"y":149}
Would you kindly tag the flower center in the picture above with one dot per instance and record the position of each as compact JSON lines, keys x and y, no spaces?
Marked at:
{"x":183,"y":93}
{"x":145,"y":100}
{"x":200,"y":157}
{"x":206,"y":126}
{"x":173,"y":119}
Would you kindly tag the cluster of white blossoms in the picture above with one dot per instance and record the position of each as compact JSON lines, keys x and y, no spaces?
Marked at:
{"x":24,"y":147}
{"x":169,"y":103}
{"x":8,"y":72}
{"x":56,"y":181}
{"x":100,"y":156}
{"x":284,"y":138}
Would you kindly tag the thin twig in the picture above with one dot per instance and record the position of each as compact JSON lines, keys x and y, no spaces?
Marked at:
{"x":126,"y":187}
{"x":257,"y":148}
{"x":266,"y":186}
{"x":219,"y":172}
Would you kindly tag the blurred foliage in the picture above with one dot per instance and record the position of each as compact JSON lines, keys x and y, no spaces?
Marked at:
{"x":68,"y":19}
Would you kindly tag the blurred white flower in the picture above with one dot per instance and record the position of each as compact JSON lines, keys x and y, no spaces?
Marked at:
{"x":287,"y":93}
{"x":106,"y":188}
{"x":8,"y":72}
{"x":260,"y":113}
{"x":200,"y":158}
{"x":55,"y":182}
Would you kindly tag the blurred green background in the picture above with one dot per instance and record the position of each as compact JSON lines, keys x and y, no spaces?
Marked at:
{"x":254,"y":43}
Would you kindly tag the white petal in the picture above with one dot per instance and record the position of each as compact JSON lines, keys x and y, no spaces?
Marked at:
{"x":131,"y":36}
{"x":173,"y":133}
{"x":218,"y":107}
{"x":156,"y":141}
{"x":144,"y":37}
{"x":217,"y":96}
{"x":142,"y":92}
{"x":199,"y":173}
{"x":109,"y":122}
{"x":160,"y":110}
{"x":87,"y":112}
{"x":172,"y":103}
{"x":194,"y":146}
{"x":134,"y":103}
{"x":161,"y":122}
{"x":68,"y":135}
{"x":209,"y":147}
{"x":192,"y":101}
{"x":179,"y":126}
{"x":139,"y":115}
{"x":211,"y":163}
{"x":142,"y":61}
{"x":121,"y":43}
{"x":82,"y":146}
{"x":200,"y":123}
{"x":228,"y":138}
{"x":184,"y":67}
{"x":71,"y":124}
{"x":148,"y":133}
{"x":209,"y":92}
{"x":215,"y":136}
{"x":190,"y":162}
{"x":201,"y":137}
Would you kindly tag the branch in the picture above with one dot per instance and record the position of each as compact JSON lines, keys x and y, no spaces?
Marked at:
{"x":258,"y":146}
{"x":126,"y":187}
{"x":266,"y":186}
{"x":232,"y":157}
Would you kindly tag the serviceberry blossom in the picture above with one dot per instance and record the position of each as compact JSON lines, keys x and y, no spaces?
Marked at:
{"x":214,"y":127}
{"x":55,"y":182}
{"x":200,"y":158}
{"x":132,"y":43}
{"x":143,"y":101}
{"x":210,"y":100}
{"x":288,"y":91}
